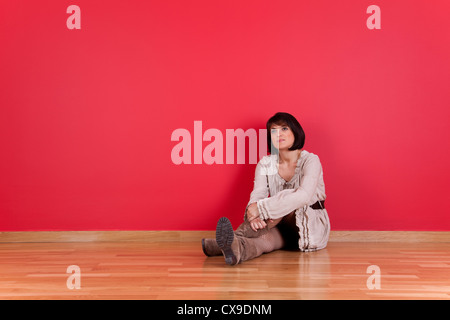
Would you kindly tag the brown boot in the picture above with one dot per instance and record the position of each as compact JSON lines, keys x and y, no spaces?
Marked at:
{"x":238,"y":249}
{"x":211,"y":248}
{"x":254,"y":247}
{"x":227,"y":243}
{"x":245,"y":230}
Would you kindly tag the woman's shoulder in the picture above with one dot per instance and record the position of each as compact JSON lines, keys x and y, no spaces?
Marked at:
{"x":268,"y":160}
{"x":309,"y":155}
{"x":267,"y":165}
{"x":308,"y":158}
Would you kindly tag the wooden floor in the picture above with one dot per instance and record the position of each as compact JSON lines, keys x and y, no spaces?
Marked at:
{"x":179,"y":270}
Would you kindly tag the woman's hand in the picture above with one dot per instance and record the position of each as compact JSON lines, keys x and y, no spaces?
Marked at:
{"x":252,"y":212}
{"x":254,"y":219}
{"x":257,"y":224}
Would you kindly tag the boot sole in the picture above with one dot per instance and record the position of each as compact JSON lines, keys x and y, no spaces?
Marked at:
{"x":224,"y":238}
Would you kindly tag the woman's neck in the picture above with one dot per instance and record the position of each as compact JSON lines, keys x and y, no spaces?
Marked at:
{"x":289,"y":157}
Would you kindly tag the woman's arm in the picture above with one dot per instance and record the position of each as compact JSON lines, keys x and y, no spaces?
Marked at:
{"x":289,"y":200}
{"x":260,"y":188}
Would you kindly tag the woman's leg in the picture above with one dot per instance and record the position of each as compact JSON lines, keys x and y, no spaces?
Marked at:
{"x":268,"y":242}
{"x":211,"y":248}
{"x":245,"y":230}
{"x":289,"y":230}
{"x":238,"y":248}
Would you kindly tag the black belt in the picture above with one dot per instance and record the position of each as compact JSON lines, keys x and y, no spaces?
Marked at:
{"x":318,"y":205}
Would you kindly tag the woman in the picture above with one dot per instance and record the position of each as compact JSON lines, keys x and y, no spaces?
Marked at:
{"x":287,"y":204}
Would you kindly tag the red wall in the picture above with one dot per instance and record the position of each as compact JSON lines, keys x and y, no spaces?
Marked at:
{"x":86,"y":115}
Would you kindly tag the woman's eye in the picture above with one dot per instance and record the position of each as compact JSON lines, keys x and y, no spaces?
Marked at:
{"x":285,"y":128}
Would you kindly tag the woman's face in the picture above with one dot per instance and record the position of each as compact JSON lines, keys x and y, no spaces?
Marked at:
{"x":282,"y":136}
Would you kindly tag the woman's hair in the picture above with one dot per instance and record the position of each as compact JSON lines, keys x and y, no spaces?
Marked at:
{"x":283,"y":118}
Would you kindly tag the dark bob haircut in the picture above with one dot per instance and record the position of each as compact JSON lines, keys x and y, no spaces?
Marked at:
{"x":283,"y":118}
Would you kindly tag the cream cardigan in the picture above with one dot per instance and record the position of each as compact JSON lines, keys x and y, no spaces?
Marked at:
{"x":276,"y":197}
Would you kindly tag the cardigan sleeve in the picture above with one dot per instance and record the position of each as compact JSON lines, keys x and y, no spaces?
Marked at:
{"x":260,"y":187}
{"x":289,"y":200}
